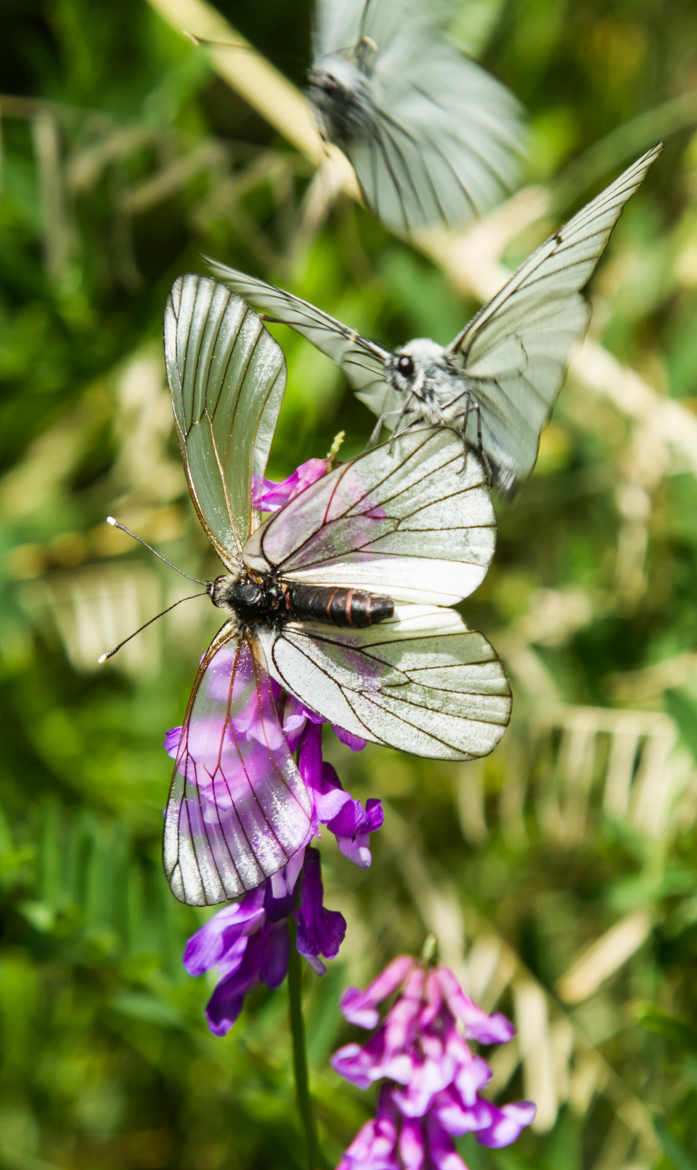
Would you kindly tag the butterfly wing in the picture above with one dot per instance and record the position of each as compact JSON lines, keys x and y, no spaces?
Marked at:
{"x":426,"y":159}
{"x":361,"y":360}
{"x":238,"y":808}
{"x":420,"y":681}
{"x":403,"y":520}
{"x":226,"y":375}
{"x":337,"y":26}
{"x":514,"y":351}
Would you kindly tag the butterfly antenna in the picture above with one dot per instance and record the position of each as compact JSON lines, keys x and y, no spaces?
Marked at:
{"x":110,"y":653}
{"x":117,"y":524}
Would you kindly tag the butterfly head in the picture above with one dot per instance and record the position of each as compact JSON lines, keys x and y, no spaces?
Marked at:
{"x":340,"y":97}
{"x":419,"y":369}
{"x":223,"y":591}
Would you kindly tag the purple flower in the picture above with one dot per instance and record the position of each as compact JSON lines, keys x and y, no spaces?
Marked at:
{"x":247,"y":941}
{"x":268,"y":496}
{"x":431,"y":1078}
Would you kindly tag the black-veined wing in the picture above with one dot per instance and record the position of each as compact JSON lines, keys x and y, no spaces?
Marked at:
{"x":432,"y":137}
{"x":420,"y":681}
{"x":404,"y":519}
{"x":362,"y":361}
{"x":238,"y":808}
{"x":227,"y":376}
{"x":407,"y":521}
{"x":439,"y":154}
{"x":514,"y":350}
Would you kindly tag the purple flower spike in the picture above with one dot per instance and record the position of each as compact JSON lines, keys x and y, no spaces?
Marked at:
{"x":224,"y":755}
{"x":247,"y":942}
{"x":431,"y":1078}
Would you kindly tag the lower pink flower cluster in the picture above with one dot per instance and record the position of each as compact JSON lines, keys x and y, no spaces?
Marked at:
{"x":431,"y":1078}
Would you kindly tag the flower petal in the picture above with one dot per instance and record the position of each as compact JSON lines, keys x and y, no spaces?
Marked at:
{"x":218,"y":940}
{"x":506,"y":1124}
{"x":494,"y":1029}
{"x":320,"y":931}
{"x":359,"y":1007}
{"x":268,"y":496}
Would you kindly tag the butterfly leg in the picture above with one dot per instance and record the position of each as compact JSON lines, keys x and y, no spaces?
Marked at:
{"x":485,"y":461}
{"x":375,"y":433}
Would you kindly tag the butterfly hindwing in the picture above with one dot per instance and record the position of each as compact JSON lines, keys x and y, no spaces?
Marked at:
{"x":420,"y":681}
{"x":238,"y":808}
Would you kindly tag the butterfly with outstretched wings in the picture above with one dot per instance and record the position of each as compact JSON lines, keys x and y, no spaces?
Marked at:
{"x":496,"y":382}
{"x":432,"y":137}
{"x":341,"y":598}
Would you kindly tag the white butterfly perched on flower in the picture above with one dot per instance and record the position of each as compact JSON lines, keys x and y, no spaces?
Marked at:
{"x":341,"y":598}
{"x":496,"y":382}
{"x":431,"y":136}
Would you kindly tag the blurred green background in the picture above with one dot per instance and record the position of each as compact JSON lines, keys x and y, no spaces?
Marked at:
{"x":561,"y":873}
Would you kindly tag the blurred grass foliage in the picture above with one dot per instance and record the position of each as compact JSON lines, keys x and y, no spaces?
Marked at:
{"x":564,"y":888}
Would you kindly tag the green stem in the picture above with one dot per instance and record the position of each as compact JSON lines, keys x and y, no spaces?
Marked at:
{"x":297,"y":1030}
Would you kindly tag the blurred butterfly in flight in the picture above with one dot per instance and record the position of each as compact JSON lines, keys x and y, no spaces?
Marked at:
{"x":431,"y":136}
{"x":341,"y":597}
{"x":496,"y":382}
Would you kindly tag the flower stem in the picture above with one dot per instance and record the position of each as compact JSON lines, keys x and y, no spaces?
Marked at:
{"x":297,"y":1029}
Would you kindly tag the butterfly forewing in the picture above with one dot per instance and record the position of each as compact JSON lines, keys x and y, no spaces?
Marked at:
{"x":404,"y":519}
{"x":558,"y":268}
{"x":238,"y":808}
{"x":227,"y":376}
{"x":514,"y":351}
{"x":420,"y":681}
{"x":362,"y":360}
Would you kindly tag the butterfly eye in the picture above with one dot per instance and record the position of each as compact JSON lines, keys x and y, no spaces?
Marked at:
{"x":405,"y":365}
{"x":329,"y":83}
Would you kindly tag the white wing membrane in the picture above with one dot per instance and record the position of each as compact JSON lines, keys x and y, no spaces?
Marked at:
{"x":421,"y":681}
{"x":238,"y":808}
{"x":362,"y":361}
{"x":403,"y":520}
{"x":514,"y":351}
{"x":227,"y":376}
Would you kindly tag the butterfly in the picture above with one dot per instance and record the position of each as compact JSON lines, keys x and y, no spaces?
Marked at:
{"x":431,"y":136}
{"x":341,"y":599}
{"x":496,"y":382}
